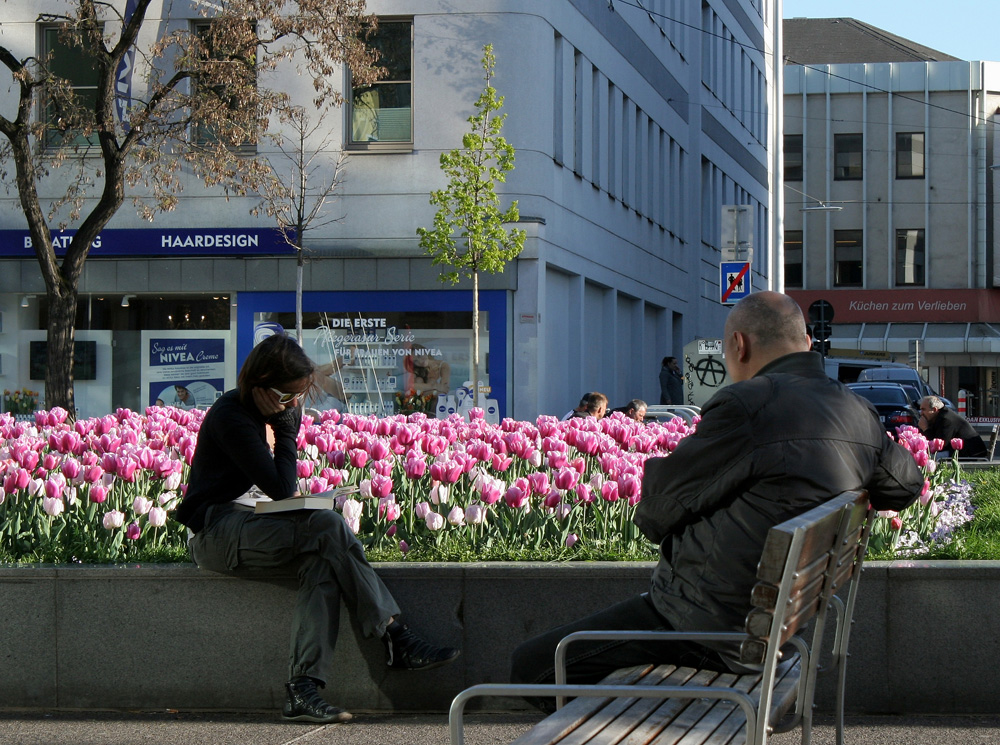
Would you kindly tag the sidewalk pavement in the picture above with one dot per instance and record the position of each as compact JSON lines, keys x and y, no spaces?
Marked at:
{"x":186,"y":728}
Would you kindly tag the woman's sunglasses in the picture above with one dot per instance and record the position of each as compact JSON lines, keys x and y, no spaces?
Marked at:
{"x":285,"y":398}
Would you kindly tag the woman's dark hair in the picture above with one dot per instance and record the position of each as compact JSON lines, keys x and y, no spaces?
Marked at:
{"x":274,"y":362}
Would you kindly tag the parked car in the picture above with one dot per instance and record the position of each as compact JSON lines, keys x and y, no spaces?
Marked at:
{"x":895,"y":404}
{"x":899,"y":374}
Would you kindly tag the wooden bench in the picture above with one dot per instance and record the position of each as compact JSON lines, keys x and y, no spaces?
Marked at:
{"x":806,"y":560}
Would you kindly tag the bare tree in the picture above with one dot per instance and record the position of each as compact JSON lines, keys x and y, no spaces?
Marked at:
{"x":304,"y":183}
{"x":199,"y":110}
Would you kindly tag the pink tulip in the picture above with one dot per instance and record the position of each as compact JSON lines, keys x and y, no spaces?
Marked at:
{"x":439,"y":494}
{"x":113,"y":519}
{"x":552,"y":499}
{"x":53,"y":506}
{"x":936,"y":445}
{"x":491,"y":491}
{"x":97,"y":493}
{"x":126,"y":470}
{"x":584,"y":493}
{"x":54,"y":486}
{"x":571,"y":540}
{"x":516,"y":498}
{"x":415,"y":467}
{"x":434,"y":521}
{"x":501,"y":462}
{"x":475,"y":514}
{"x":456,"y":516}
{"x":92,"y":474}
{"x":539,"y":481}
{"x":50,"y":462}
{"x":141,"y":505}
{"x":566,"y":478}
{"x":358,"y":458}
{"x":957,"y":443}
{"x":379,"y":450}
{"x":381,"y":486}
{"x":609,"y":491}
{"x":304,"y":468}
{"x":157,"y":517}
{"x":421,"y":509}
{"x":925,"y":493}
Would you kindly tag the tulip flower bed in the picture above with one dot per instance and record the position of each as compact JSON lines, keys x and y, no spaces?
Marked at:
{"x":103,"y":490}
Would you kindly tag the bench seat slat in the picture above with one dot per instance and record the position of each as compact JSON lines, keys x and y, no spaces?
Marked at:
{"x":626,"y":712}
{"x":556,"y":726}
{"x":639,"y":710}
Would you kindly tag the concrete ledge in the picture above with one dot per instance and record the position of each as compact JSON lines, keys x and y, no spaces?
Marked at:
{"x":171,"y":636}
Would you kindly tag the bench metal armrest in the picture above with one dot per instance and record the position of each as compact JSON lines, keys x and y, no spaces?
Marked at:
{"x":455,"y":713}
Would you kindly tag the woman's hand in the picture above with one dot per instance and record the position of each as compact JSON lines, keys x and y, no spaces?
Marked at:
{"x":267,"y":402}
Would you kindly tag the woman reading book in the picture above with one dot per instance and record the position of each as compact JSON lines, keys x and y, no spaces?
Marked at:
{"x":232,"y":456}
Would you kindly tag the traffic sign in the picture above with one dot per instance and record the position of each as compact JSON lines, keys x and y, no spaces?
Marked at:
{"x":734,"y":281}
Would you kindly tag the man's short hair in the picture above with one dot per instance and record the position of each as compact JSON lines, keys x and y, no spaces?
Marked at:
{"x":668,"y":360}
{"x":768,"y":320}
{"x":934,"y":402}
{"x":635,"y":404}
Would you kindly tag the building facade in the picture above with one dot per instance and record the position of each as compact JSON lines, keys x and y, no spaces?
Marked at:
{"x":633,"y":128}
{"x":889,"y":189}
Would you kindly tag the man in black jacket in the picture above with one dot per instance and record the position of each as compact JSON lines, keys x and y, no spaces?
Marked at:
{"x":938,"y":422}
{"x":783,"y":438}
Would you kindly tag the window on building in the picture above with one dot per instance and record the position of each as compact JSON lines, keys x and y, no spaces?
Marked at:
{"x":793,"y":258}
{"x":793,"y":157}
{"x":910,"y":257}
{"x":848,"y":258}
{"x":909,"y":155}
{"x":381,"y":114}
{"x":69,"y":117}
{"x":230,"y":57}
{"x":847,"y":157}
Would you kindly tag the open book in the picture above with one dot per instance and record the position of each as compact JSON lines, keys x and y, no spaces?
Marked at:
{"x":324,"y":500}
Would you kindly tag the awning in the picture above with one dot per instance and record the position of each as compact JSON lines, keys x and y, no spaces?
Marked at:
{"x":938,"y":338}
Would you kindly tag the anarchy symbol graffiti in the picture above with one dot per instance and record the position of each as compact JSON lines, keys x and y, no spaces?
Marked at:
{"x":711,"y":373}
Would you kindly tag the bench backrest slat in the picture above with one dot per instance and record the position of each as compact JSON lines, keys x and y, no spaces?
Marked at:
{"x":805,"y":560}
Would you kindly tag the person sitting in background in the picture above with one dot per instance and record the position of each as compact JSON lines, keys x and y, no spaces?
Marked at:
{"x":592,"y":404}
{"x":634,"y":409}
{"x":938,"y":422}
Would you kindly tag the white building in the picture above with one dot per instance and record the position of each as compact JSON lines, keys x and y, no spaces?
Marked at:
{"x":633,"y":127}
{"x":889,"y":200}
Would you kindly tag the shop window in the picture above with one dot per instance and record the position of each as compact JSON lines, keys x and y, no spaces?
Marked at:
{"x":848,"y":157}
{"x":910,"y":257}
{"x":793,"y":258}
{"x":793,"y":157}
{"x":381,"y":114}
{"x":230,"y":53}
{"x":909,"y":155}
{"x":68,"y":111}
{"x":391,"y":362}
{"x":848,"y":258}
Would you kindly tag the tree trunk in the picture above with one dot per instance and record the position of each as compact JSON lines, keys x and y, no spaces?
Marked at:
{"x":298,"y":294}
{"x":59,"y":372}
{"x":475,"y":338}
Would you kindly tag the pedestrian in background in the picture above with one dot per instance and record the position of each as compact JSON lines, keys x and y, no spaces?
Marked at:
{"x":671,"y":383}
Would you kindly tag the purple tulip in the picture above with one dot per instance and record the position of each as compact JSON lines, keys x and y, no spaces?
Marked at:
{"x":571,"y":540}
{"x":133,"y":531}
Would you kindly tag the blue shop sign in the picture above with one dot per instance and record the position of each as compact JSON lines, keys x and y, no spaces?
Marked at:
{"x":154,"y":242}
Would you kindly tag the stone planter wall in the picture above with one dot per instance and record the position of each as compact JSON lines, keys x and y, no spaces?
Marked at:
{"x":173,"y":637}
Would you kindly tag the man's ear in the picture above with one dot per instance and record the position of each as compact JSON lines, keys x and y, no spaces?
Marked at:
{"x":741,"y":342}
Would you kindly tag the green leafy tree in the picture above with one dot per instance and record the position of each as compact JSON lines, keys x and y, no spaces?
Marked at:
{"x":469,"y":233}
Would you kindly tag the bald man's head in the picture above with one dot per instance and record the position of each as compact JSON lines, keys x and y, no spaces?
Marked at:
{"x":760,"y":328}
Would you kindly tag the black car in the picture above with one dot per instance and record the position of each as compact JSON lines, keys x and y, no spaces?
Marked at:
{"x":894,"y":402}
